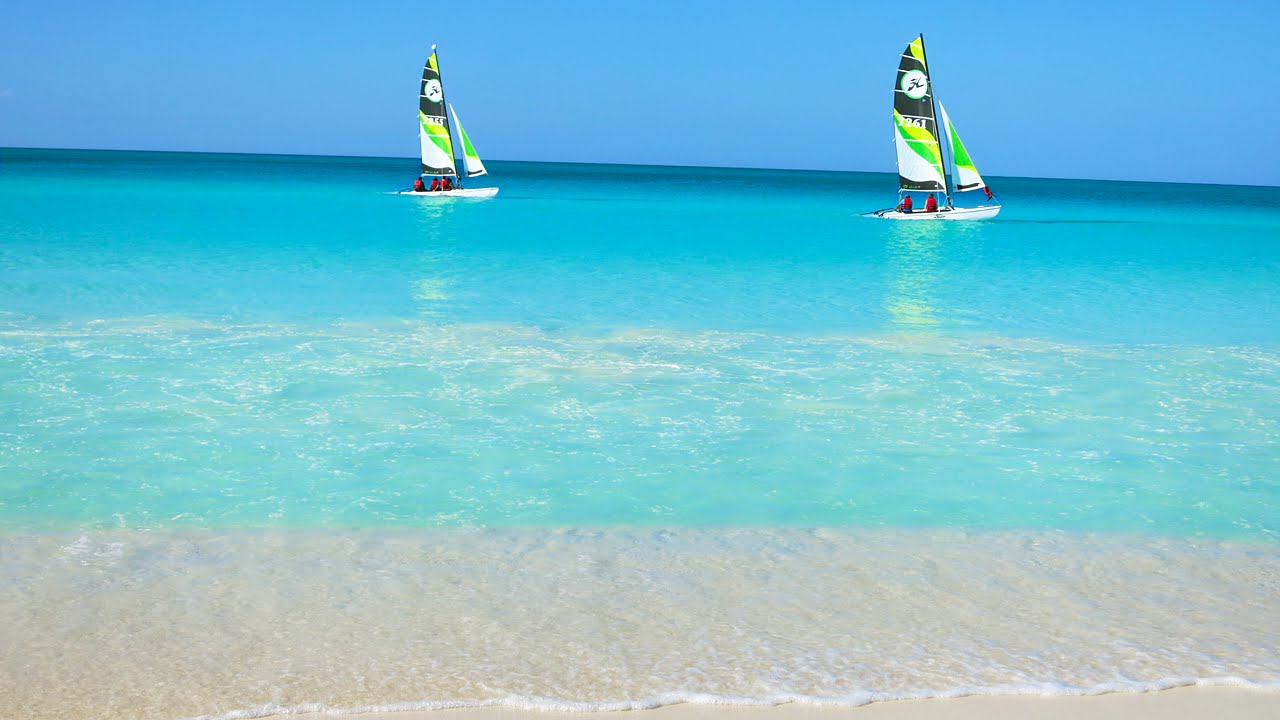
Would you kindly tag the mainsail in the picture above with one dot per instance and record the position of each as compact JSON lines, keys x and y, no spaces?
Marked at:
{"x":966,"y":175}
{"x":433,"y":124}
{"x":916,"y":128}
{"x":470,"y":159}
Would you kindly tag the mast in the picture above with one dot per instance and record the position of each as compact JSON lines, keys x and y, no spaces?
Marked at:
{"x":933,"y":104}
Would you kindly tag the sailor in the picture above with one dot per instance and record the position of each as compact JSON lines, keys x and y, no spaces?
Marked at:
{"x":931,"y":204}
{"x":987,"y":190}
{"x":906,"y":204}
{"x":447,"y":184}
{"x":418,"y":185}
{"x":435,"y":184}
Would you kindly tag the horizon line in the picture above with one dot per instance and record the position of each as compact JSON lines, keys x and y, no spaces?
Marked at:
{"x":617,"y":164}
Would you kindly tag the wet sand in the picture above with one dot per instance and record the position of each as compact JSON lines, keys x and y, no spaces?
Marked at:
{"x":1186,"y":703}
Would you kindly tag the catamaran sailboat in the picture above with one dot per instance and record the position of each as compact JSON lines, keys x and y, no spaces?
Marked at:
{"x":437,"y":141}
{"x":922,"y":163}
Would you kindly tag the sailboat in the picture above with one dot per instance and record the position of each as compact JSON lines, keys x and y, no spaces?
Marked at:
{"x":923,"y":157}
{"x":436,"y":140}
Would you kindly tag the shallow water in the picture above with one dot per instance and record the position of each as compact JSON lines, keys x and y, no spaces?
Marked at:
{"x":624,"y":435}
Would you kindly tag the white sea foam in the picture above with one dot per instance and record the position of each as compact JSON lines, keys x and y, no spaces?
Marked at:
{"x":853,"y":700}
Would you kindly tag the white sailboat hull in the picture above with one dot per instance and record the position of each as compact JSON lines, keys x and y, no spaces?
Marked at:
{"x":985,"y":212}
{"x":450,"y":194}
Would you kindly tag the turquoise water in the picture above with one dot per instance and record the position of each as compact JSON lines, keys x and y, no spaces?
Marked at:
{"x":207,"y":340}
{"x":201,"y":351}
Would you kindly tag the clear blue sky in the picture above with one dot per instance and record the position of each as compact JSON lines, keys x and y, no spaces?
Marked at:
{"x":1183,"y":91}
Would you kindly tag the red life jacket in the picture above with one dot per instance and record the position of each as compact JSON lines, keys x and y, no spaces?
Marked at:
{"x":435,"y":183}
{"x":930,"y":205}
{"x":418,"y":185}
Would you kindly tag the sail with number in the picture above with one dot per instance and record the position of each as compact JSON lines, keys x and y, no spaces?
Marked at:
{"x":470,"y":160}
{"x":433,"y":123}
{"x":966,"y":175}
{"x":916,"y":135}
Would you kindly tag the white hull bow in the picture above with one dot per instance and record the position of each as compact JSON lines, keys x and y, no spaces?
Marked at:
{"x":447,"y":194}
{"x":985,"y":212}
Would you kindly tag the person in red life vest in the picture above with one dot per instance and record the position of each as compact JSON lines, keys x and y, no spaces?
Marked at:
{"x":987,"y":190}
{"x":931,"y":204}
{"x":447,"y":184}
{"x":418,"y":186}
{"x":906,"y":204}
{"x":435,"y":184}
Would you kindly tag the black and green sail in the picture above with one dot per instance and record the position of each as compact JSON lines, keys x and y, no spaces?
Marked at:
{"x":920,"y":165}
{"x":433,"y":123}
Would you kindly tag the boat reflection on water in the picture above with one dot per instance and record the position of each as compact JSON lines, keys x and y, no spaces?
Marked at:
{"x":434,"y":265}
{"x":433,"y":214}
{"x":913,"y":260}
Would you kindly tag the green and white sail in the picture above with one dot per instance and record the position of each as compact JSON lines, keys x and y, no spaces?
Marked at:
{"x":966,"y":175}
{"x":920,"y":165}
{"x":470,"y":160}
{"x":433,"y":123}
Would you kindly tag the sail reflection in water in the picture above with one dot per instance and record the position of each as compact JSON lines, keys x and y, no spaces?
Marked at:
{"x":913,"y":259}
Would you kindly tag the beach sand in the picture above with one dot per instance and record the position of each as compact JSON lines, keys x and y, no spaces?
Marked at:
{"x":1186,"y":703}
{"x":164,"y":625}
